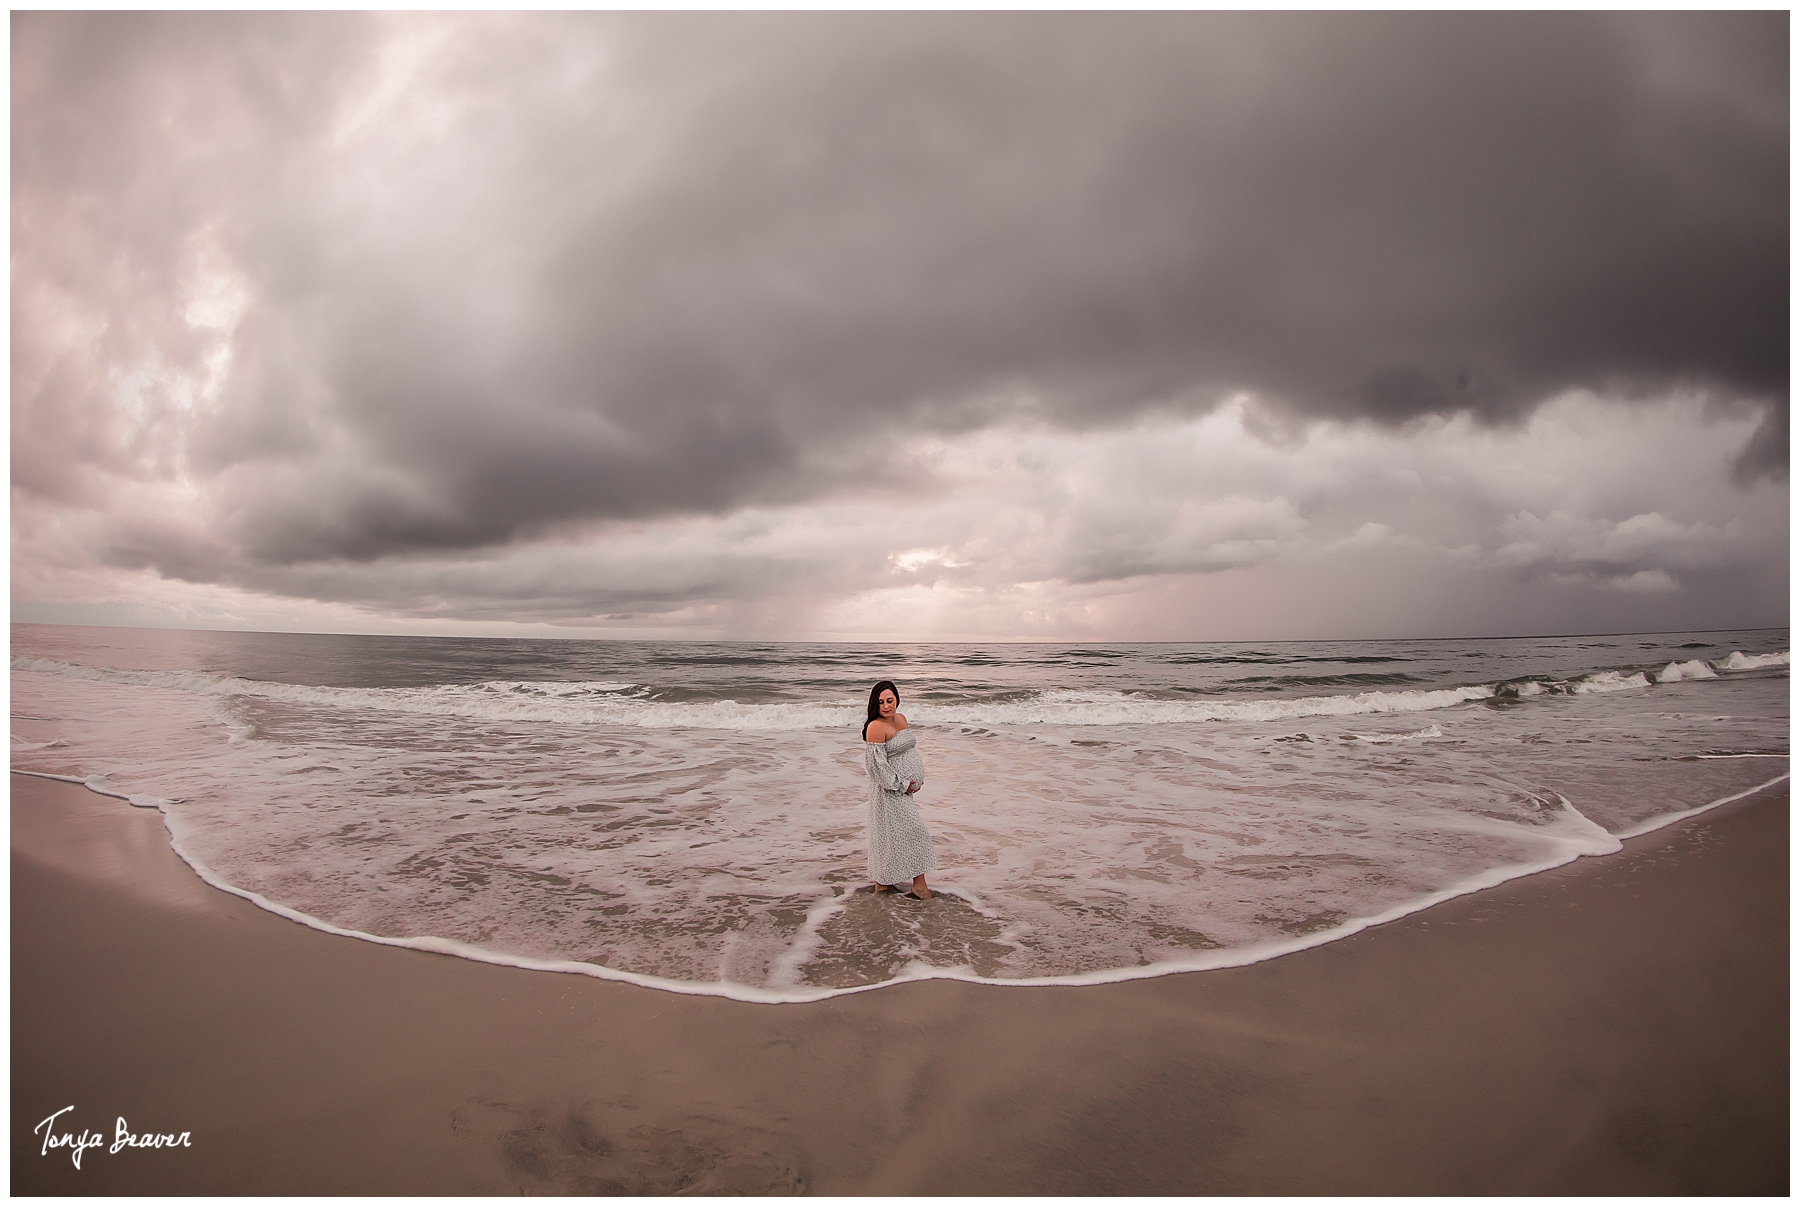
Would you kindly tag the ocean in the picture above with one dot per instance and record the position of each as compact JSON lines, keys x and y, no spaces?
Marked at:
{"x":690,"y":815}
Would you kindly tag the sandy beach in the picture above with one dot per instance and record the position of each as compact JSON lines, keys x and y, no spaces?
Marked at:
{"x":1618,"y":1026}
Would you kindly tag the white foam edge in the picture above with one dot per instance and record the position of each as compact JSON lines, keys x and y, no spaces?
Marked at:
{"x":1737,"y":756}
{"x":785,"y":970}
{"x":1240,"y":957}
{"x":1666,"y":819}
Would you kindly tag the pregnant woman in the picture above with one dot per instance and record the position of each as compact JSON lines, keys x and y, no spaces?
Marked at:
{"x":899,"y":845}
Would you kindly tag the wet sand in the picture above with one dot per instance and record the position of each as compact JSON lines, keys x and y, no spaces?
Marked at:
{"x":1618,"y":1026}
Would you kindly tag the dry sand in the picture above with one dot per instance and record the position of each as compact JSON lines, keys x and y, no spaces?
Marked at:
{"x":1618,"y":1026}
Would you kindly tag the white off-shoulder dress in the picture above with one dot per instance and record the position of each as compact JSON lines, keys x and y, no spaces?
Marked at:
{"x":899,"y":845}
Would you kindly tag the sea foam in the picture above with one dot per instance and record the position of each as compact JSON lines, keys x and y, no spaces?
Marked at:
{"x":1739,"y":661}
{"x":1609,"y":681}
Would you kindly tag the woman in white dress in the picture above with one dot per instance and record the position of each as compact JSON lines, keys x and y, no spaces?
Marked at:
{"x":899,"y":845}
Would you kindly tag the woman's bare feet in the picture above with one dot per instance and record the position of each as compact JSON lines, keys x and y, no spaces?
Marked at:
{"x":919,"y":890}
{"x":887,"y":888}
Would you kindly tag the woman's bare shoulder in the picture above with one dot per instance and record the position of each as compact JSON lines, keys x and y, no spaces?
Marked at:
{"x":878,"y":731}
{"x":900,"y":722}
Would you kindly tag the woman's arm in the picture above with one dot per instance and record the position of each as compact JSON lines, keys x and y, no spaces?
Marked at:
{"x":885,"y":777}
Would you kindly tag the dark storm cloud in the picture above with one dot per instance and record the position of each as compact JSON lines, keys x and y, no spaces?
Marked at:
{"x":621,"y":266}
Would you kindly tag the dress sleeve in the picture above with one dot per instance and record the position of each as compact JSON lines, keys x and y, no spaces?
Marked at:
{"x":885,"y":777}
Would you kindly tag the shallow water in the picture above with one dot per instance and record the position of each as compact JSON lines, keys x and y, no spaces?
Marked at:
{"x":692,"y":813}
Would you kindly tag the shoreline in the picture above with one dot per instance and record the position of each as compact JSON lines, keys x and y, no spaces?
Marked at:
{"x":753,"y":995}
{"x":1394,"y":1060}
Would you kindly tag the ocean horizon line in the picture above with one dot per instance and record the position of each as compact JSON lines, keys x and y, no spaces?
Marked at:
{"x":1071,"y":641}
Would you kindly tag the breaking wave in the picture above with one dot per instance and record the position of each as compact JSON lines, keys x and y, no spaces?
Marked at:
{"x":614,"y":702}
{"x":623,"y":703}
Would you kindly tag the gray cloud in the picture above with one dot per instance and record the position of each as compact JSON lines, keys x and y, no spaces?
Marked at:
{"x":500,"y":276}
{"x":1589,"y":514}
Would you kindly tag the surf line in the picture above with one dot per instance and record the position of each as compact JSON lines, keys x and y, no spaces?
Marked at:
{"x":1255,"y":953}
{"x":1657,"y":823}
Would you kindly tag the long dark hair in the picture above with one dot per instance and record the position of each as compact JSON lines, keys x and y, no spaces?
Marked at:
{"x":886,"y":685}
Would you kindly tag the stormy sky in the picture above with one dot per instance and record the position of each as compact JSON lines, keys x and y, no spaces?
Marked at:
{"x":1171,"y":326}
